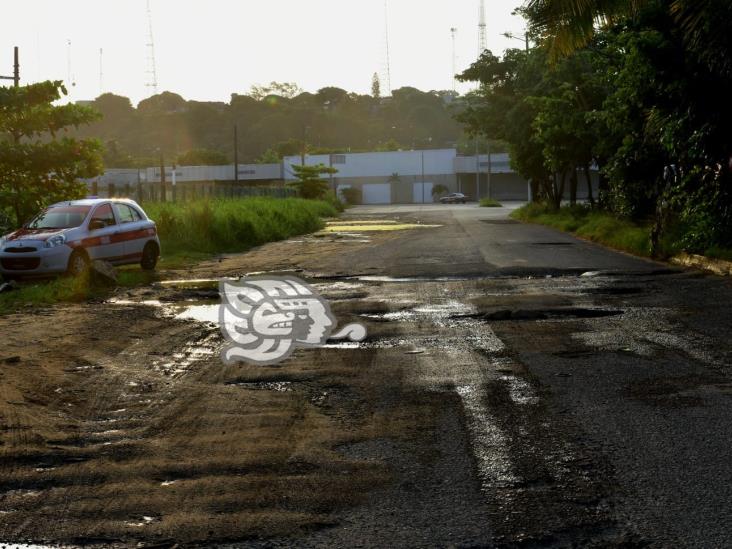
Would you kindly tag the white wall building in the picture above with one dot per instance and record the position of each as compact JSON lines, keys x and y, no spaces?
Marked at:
{"x":399,"y":177}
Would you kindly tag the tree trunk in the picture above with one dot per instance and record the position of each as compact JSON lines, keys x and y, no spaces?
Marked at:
{"x":603,"y":189}
{"x":573,"y":187}
{"x":588,"y":176}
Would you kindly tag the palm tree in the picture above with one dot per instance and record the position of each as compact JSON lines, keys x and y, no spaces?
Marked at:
{"x":567,"y":25}
{"x":570,"y":24}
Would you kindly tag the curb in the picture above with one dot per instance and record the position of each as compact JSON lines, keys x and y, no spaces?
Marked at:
{"x":716,"y":266}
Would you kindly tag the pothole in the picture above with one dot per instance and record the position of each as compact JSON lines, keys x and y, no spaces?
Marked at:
{"x":277,"y":386}
{"x":542,"y":314}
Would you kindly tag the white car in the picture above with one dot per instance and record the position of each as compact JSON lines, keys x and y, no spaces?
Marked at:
{"x":68,"y":236}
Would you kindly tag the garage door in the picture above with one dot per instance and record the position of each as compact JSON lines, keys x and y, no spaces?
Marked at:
{"x":422,"y":192}
{"x":377,"y":193}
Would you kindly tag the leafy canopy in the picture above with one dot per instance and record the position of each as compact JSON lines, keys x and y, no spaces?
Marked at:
{"x":39,"y":162}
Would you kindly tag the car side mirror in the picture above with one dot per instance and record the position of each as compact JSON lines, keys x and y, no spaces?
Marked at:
{"x":95,"y":224}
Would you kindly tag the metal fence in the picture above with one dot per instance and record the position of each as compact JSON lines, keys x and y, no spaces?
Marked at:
{"x":182,"y":192}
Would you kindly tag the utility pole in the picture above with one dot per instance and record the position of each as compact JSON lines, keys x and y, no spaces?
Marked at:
{"x":423,"y":177}
{"x":236,"y":154}
{"x":330,"y":165}
{"x":162,"y":178}
{"x":16,"y":69}
{"x":489,"y":169}
{"x":477,"y":169}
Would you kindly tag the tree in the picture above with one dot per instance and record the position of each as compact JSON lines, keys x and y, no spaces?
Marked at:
{"x":438,"y":190}
{"x":162,"y":103}
{"x":309,"y":184}
{"x":37,"y":166}
{"x":269,"y":156}
{"x":202,"y":157}
{"x":283,"y":89}
{"x":376,"y":86}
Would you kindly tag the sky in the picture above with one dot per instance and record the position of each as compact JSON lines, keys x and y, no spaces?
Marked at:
{"x":208,"y":49}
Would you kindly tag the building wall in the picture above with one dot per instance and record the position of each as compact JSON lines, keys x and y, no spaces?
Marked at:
{"x":380,"y":164}
{"x":402,"y":190}
{"x":247,"y":172}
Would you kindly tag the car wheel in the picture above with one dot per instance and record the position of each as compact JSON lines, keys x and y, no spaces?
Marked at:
{"x":78,"y":263}
{"x":150,"y":255}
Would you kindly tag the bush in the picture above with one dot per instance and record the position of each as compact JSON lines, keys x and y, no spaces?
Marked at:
{"x":234,"y":225}
{"x":331,"y":199}
{"x":594,"y":225}
{"x":352,"y":195}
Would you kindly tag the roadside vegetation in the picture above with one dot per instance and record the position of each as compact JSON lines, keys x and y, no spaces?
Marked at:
{"x":190,"y":231}
{"x":594,"y":225}
{"x":227,"y":226}
{"x":637,"y":91}
{"x":490,"y":203}
{"x":613,"y":231}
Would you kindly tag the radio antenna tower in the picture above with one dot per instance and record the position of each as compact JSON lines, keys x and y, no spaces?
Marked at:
{"x":388,"y":60}
{"x":482,"y":42}
{"x":453,"y":32}
{"x":101,"y":71}
{"x":151,"y":68}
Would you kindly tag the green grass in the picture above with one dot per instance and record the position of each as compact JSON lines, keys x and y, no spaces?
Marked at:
{"x":189,"y":232}
{"x":716,"y":252}
{"x":594,"y":225}
{"x":217,"y":226}
{"x":489,"y":203}
{"x":68,"y":290}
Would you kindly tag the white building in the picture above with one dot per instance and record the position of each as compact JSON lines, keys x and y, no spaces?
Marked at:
{"x":400,"y":177}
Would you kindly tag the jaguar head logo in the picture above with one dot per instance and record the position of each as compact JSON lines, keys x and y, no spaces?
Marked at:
{"x":265,"y":319}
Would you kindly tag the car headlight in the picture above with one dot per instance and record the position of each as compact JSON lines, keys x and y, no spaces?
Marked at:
{"x":55,"y":240}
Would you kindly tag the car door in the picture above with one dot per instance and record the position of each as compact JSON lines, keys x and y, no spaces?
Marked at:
{"x":132,"y":230}
{"x":104,"y":243}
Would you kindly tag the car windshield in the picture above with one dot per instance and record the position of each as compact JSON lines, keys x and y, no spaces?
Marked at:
{"x":60,"y":217}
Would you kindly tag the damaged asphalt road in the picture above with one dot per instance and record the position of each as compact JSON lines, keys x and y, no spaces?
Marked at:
{"x":517,"y":388}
